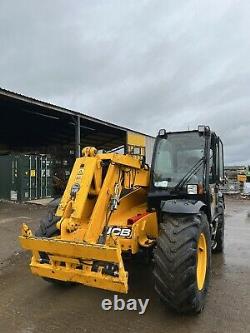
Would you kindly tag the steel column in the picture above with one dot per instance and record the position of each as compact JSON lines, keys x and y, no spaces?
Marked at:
{"x":77,"y":137}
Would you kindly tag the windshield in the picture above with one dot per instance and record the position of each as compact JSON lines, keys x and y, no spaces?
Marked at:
{"x":175,"y":156}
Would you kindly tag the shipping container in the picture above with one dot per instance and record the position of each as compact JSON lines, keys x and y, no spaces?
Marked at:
{"x":25,"y":177}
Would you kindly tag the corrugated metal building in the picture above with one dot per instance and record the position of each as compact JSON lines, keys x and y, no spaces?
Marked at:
{"x":33,"y":127}
{"x":28,"y":124}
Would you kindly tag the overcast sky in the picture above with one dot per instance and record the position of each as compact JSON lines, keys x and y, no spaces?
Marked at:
{"x":141,"y":64}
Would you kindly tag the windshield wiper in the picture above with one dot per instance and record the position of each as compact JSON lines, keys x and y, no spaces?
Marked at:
{"x":189,"y":174}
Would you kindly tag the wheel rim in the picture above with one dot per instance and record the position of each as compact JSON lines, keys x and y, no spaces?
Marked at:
{"x":201,"y":261}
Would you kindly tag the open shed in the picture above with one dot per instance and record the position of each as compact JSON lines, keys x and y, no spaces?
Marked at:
{"x":28,"y":125}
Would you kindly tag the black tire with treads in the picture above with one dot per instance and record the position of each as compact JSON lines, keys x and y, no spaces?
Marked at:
{"x":219,"y":237}
{"x":48,"y":229}
{"x":175,"y":260}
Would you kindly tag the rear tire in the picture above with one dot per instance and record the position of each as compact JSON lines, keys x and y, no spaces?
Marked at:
{"x":219,"y":238}
{"x":177,"y":280}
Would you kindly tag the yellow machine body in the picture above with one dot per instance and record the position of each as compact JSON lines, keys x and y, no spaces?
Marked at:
{"x":103,"y":214}
{"x":241,"y":178}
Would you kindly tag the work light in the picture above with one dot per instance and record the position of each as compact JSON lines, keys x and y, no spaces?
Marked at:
{"x":162,"y":132}
{"x":201,"y":128}
{"x":192,"y":189}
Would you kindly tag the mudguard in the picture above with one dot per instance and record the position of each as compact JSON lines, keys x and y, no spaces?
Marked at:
{"x":182,"y":206}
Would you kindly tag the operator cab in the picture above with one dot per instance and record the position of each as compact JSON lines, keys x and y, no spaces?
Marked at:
{"x":186,"y":165}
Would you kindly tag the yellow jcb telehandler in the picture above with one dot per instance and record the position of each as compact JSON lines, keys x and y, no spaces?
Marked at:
{"x":114,"y":205}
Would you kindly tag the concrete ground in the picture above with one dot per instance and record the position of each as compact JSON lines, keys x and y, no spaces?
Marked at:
{"x":29,"y":304}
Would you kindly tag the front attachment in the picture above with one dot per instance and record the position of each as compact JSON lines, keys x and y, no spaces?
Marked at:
{"x":95,"y":265}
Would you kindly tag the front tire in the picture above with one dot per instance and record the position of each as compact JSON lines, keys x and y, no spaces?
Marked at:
{"x":182,"y":262}
{"x":48,"y":229}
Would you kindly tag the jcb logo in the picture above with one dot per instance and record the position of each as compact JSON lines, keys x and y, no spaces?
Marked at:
{"x":119,"y":231}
